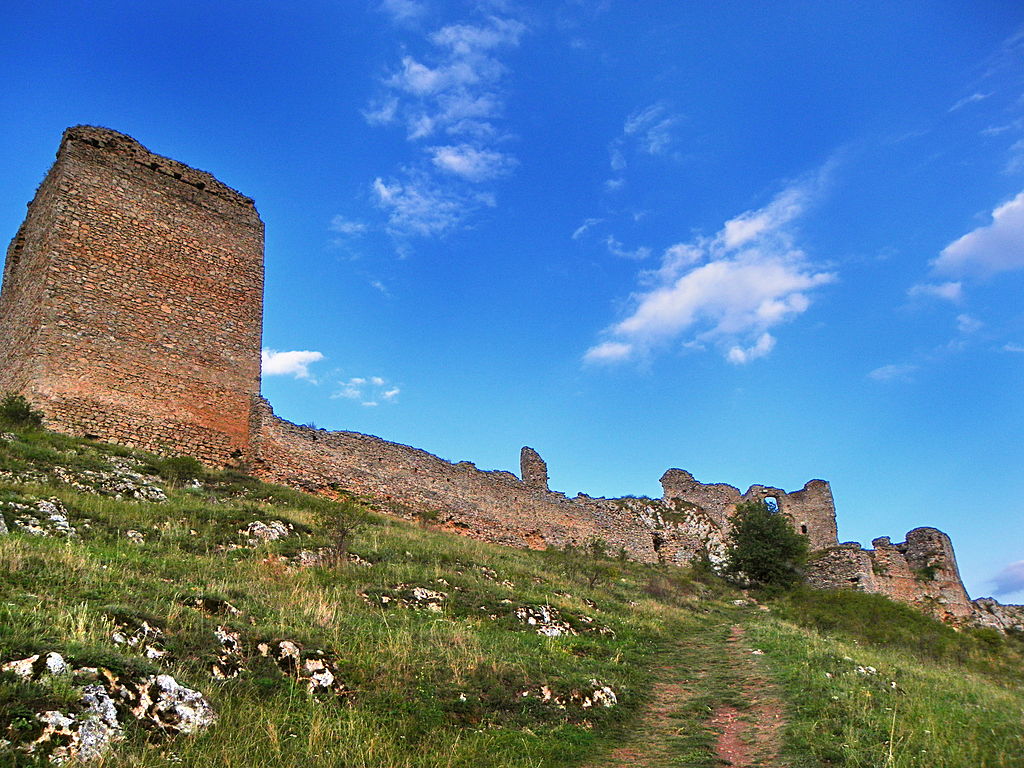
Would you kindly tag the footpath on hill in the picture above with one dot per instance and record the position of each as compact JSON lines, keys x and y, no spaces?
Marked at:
{"x":711,"y":705}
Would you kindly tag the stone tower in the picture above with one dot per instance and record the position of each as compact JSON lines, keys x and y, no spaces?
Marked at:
{"x":132,"y":301}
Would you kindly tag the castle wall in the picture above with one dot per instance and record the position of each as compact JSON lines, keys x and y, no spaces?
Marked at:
{"x":533,"y":469}
{"x":920,"y":571}
{"x":811,"y":511}
{"x":132,"y":306}
{"x":131,"y":311}
{"x":492,"y":506}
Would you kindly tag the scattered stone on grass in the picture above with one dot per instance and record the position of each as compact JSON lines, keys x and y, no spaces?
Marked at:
{"x":38,"y":517}
{"x":140,"y":635}
{"x":599,"y":695}
{"x":86,"y":731}
{"x":545,"y":619}
{"x":407,"y":596}
{"x":259,"y":532}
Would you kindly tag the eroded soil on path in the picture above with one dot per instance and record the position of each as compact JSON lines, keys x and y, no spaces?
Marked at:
{"x":711,"y":705}
{"x":748,"y":738}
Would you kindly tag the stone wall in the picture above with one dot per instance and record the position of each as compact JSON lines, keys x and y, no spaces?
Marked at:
{"x":489,"y":505}
{"x":920,"y":571}
{"x":811,"y":511}
{"x":533,"y":469}
{"x":131,"y":311}
{"x":1005,"y":618}
{"x":132,"y":301}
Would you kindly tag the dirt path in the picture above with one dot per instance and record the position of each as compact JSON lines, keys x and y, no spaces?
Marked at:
{"x":750,"y":738}
{"x":711,"y":705}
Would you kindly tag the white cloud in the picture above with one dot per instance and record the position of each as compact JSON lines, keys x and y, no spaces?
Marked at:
{"x":974,"y":97}
{"x":608,"y":351}
{"x":729,"y":289}
{"x":403,"y":11}
{"x":615,"y":248}
{"x":764,"y":345}
{"x":893,"y":372}
{"x":368,"y":391}
{"x":468,"y":40}
{"x":990,"y":249}
{"x":424,"y":207}
{"x":583,"y":228}
{"x":652,"y":128}
{"x":750,"y":225}
{"x":1013,"y":347}
{"x":967,"y":324}
{"x":952,"y":291}
{"x":614,"y":185}
{"x":1010,"y":579}
{"x":454,"y":89}
{"x":470,"y":163}
{"x":344,"y":226}
{"x":1016,"y":162}
{"x":382,"y":111}
{"x":294,"y":363}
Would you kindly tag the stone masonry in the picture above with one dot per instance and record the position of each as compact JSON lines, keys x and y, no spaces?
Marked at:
{"x":920,"y":571}
{"x":533,"y":469}
{"x":810,"y":511}
{"x":131,"y":311}
{"x":132,"y":301}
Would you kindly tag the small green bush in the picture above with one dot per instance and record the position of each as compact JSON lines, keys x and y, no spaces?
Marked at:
{"x":17,"y":413}
{"x":179,"y":470}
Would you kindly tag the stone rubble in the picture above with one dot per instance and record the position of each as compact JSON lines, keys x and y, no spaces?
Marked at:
{"x":140,"y":635}
{"x":106,"y":700}
{"x":546,"y":620}
{"x":258,"y":532}
{"x":43,"y":517}
{"x":600,"y":695}
{"x":408,"y":596}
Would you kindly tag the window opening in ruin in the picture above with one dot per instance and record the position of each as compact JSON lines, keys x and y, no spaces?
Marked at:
{"x":772,"y":504}
{"x":803,"y":528}
{"x":15,"y":254}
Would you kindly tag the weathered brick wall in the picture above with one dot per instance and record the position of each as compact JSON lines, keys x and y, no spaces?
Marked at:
{"x":811,"y":511}
{"x":920,"y":571}
{"x":132,"y":306}
{"x":533,"y":469}
{"x":489,"y":505}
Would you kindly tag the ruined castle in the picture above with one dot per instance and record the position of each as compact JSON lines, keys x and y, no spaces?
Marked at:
{"x":131,"y":311}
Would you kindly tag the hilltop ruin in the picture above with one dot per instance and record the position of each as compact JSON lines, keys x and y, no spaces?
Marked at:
{"x":131,"y":311}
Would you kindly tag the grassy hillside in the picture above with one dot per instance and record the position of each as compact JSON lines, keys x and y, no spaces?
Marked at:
{"x":324,"y":635}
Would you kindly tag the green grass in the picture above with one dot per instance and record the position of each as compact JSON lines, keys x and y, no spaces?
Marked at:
{"x":430,"y":689}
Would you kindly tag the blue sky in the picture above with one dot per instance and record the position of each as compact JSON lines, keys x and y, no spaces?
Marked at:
{"x":763,"y":242}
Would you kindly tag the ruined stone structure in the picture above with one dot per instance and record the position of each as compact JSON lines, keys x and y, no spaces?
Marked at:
{"x":132,"y":300}
{"x":811,"y":510}
{"x":920,"y":571}
{"x":533,"y":469}
{"x":131,"y":311}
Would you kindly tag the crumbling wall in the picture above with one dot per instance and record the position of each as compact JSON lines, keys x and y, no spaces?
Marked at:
{"x":131,"y":306}
{"x":533,"y":469}
{"x":988,"y":612}
{"x":488,"y":505}
{"x":811,"y":511}
{"x":493,"y":506}
{"x":717,"y":500}
{"x":920,"y":571}
{"x":845,"y":566}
